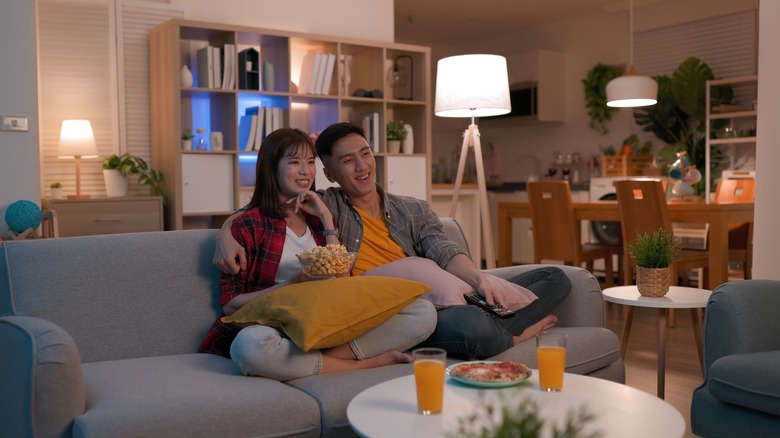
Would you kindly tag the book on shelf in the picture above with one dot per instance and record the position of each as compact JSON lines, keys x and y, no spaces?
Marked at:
{"x":216,"y":64}
{"x":259,"y":137}
{"x":228,"y":69}
{"x":328,"y":78}
{"x":345,"y":78}
{"x":370,"y":124}
{"x":205,"y":67}
{"x":307,"y":67}
{"x":317,"y":70}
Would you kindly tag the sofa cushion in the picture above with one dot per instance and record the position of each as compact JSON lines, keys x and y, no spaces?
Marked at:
{"x":587,"y":349}
{"x":190,"y":395}
{"x":327,"y":313}
{"x":446,"y":289}
{"x":748,"y":380}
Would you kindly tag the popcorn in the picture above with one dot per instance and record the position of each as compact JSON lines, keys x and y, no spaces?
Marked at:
{"x":327,"y":261}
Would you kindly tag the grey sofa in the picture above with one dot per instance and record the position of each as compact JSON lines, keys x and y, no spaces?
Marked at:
{"x":740,"y":395}
{"x":98,"y":337}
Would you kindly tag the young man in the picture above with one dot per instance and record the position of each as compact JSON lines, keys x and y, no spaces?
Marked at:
{"x":383,"y":227}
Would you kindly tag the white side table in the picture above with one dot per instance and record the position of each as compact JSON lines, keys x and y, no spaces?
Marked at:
{"x":678,"y":297}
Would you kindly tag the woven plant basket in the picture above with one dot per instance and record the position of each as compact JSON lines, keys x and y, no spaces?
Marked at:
{"x":653,"y":282}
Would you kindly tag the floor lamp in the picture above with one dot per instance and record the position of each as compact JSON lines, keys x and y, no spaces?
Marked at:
{"x":473,"y":86}
{"x":77,"y":141}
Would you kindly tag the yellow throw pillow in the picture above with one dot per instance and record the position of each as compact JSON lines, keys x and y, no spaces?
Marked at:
{"x":327,"y":313}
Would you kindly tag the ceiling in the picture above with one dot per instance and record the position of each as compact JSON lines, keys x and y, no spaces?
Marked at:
{"x":458,"y":21}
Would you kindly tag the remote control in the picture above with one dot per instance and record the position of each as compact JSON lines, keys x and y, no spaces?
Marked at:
{"x":496,"y":309}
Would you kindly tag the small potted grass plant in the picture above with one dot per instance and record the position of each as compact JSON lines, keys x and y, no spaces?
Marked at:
{"x":396,"y":133}
{"x":654,"y":254}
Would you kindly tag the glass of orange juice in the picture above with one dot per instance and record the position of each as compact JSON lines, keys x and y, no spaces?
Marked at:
{"x":551,"y":359}
{"x":429,"y":364}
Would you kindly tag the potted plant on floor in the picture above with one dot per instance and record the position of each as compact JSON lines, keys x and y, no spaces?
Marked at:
{"x":654,"y":254}
{"x":396,"y":133}
{"x":116,"y":169}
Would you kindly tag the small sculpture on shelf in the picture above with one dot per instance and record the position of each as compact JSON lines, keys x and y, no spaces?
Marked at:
{"x":201,"y":141}
{"x":684,"y":176}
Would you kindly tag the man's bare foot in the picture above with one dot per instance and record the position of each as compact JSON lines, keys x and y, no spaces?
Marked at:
{"x":545,"y":323}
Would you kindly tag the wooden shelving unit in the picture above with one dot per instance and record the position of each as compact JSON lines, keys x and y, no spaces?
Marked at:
{"x":205,"y":185}
{"x":742,"y":129}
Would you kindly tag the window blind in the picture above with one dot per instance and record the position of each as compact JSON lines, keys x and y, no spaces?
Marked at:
{"x":94,"y":64}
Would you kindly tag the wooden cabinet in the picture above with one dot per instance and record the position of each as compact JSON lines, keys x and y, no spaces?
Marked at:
{"x":85,"y":217}
{"x":268,"y":67}
{"x":467,"y":214}
{"x":729,"y":125}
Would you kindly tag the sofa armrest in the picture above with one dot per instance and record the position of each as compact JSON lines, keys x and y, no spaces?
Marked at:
{"x":741,"y":318}
{"x":584,"y":307}
{"x":42,"y":381}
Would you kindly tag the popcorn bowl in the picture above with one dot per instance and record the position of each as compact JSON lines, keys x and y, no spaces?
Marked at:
{"x":322,"y":262}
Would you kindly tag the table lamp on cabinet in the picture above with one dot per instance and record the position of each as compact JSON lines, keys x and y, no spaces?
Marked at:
{"x":473,"y":86}
{"x":77,"y":141}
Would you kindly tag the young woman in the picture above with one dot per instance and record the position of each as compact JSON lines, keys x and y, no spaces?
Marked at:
{"x":284,"y":218}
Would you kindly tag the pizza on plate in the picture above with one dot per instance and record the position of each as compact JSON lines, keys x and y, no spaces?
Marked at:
{"x":491,"y":372}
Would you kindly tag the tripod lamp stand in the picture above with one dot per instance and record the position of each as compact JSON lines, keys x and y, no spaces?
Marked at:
{"x":473,"y":86}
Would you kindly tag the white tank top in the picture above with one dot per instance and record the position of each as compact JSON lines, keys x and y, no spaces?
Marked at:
{"x":289,"y":267}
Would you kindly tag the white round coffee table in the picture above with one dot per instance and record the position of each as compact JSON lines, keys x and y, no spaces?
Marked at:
{"x":389,"y":409}
{"x":678,"y":297}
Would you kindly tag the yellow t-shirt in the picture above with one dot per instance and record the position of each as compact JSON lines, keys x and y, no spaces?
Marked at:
{"x":377,"y":247}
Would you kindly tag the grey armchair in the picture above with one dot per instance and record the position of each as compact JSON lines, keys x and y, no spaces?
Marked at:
{"x":740,"y":395}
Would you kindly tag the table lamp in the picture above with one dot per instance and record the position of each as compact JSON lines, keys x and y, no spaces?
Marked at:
{"x":77,"y":141}
{"x":473,"y":86}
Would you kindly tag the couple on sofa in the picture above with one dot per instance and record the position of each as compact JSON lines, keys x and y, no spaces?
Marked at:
{"x":256,"y":252}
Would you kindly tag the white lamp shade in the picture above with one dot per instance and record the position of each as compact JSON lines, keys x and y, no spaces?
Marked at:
{"x":472,"y":86}
{"x":77,"y":140}
{"x":631,"y":90}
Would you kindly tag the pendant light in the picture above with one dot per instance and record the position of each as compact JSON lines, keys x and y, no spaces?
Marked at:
{"x":630,"y":89}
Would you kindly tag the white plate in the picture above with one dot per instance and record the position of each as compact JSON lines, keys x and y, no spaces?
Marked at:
{"x":483,"y":384}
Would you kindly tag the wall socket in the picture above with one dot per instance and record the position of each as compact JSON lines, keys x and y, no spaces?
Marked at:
{"x":13,"y":123}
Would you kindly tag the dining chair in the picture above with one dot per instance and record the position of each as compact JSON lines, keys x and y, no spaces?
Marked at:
{"x":730,"y":191}
{"x":557,"y":234}
{"x":643,"y":209}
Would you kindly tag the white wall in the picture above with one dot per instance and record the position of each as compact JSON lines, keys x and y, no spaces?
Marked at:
{"x":766,"y":235}
{"x":360,"y":19}
{"x":19,"y":155}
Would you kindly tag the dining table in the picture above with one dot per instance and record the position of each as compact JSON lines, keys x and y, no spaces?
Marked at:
{"x":718,"y":216}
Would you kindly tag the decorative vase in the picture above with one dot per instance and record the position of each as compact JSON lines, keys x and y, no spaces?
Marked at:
{"x":186,"y":77}
{"x":407,"y":146}
{"x":393,"y":146}
{"x":653,"y":282}
{"x":186,"y":145}
{"x":56,"y":192}
{"x":116,"y":183}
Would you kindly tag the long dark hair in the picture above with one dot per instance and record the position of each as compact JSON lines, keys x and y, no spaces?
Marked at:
{"x":284,"y":142}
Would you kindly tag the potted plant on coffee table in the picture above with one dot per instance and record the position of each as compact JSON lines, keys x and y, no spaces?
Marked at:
{"x":116,"y":169}
{"x":654,"y":254}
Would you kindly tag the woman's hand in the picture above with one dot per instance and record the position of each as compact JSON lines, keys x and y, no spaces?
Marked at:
{"x":311,"y":203}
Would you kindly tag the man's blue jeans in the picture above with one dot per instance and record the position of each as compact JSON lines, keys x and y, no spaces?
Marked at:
{"x":469,"y":332}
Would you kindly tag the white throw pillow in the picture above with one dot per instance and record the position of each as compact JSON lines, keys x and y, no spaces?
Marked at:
{"x":446,"y":289}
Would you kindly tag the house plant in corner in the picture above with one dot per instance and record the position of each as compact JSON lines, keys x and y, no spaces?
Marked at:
{"x":396,"y":133}
{"x":116,"y":169}
{"x":56,"y":190}
{"x":654,"y":254}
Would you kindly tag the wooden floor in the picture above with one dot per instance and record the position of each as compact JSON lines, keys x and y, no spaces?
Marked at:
{"x":683,"y":374}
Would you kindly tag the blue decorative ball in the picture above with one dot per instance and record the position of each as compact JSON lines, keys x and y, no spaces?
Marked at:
{"x":22,"y":215}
